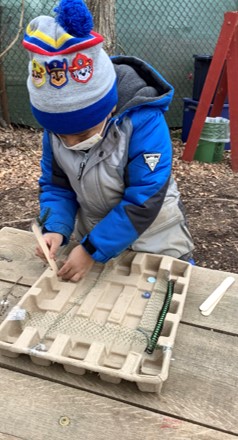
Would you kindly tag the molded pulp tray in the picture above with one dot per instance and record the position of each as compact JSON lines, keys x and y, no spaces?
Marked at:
{"x":102,"y":323}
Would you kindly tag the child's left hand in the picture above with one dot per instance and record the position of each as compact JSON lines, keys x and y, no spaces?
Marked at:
{"x":77,"y":265}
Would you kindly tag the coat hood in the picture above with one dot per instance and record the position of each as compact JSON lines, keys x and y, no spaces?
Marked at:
{"x":140,"y":84}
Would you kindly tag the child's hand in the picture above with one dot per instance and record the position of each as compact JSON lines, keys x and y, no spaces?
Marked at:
{"x":77,"y":265}
{"x":53,"y":241}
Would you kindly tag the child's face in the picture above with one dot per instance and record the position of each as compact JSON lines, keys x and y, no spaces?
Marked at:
{"x":73,"y":139}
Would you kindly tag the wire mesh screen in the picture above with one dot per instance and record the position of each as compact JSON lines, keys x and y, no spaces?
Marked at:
{"x":165,"y":33}
{"x":15,"y":62}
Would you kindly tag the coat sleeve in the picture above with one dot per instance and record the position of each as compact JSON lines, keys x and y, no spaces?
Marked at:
{"x":57,"y":198}
{"x":146,"y":180}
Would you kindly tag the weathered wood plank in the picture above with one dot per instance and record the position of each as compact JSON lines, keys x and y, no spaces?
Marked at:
{"x":204,"y":378}
{"x":17,"y":256}
{"x":9,"y":437}
{"x":203,"y":282}
{"x":33,"y":408}
{"x":202,"y":386}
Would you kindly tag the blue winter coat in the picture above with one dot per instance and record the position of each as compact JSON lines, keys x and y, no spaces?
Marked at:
{"x":120,"y":193}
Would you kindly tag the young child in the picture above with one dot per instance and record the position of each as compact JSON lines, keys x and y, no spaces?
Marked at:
{"x":107,"y":155}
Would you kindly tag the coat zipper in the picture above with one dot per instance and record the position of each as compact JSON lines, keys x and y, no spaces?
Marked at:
{"x":82,"y":165}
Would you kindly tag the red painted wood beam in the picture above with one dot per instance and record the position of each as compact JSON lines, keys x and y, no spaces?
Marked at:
{"x":220,"y":95}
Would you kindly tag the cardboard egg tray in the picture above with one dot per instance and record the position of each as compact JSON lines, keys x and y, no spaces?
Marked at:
{"x":103,"y":322}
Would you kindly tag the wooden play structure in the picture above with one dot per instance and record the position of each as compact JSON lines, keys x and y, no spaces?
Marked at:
{"x":221,"y":81}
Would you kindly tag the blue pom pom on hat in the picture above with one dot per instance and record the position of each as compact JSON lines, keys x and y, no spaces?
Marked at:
{"x":72,"y":81}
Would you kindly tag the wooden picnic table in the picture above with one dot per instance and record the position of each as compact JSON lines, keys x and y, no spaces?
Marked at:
{"x":198,"y":401}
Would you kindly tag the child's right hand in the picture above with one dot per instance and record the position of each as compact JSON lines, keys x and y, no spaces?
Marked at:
{"x":53,"y":241}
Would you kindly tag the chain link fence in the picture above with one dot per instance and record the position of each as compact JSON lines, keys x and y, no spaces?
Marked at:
{"x":165,"y":33}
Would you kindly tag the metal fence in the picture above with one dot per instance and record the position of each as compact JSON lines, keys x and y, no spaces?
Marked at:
{"x":166,"y":33}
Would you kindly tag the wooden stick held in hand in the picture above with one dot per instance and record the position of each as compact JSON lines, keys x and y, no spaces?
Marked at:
{"x":39,"y":236}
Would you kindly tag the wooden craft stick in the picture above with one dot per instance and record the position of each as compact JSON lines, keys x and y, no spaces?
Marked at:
{"x":210,"y":303}
{"x":39,"y":236}
{"x":207,"y":312}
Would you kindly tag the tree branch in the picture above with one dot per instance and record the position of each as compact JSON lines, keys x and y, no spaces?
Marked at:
{"x":20,"y":27}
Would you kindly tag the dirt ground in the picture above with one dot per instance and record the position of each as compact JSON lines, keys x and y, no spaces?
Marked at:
{"x":209,"y":193}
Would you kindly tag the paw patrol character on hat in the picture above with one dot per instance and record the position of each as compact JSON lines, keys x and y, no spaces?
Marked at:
{"x":38,"y":74}
{"x":82,"y":68}
{"x":58,"y":72}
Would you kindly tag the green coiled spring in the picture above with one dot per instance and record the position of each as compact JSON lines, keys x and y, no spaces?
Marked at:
{"x":160,"y":321}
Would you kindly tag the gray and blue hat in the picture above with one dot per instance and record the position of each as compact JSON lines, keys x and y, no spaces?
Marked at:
{"x":72,"y":81}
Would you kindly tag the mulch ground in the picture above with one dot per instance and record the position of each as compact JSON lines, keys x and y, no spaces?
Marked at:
{"x":209,"y":193}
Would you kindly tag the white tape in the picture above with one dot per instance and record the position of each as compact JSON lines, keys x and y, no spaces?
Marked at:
{"x":38,"y":349}
{"x":16,"y":314}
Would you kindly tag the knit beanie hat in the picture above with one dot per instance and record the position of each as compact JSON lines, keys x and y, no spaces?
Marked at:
{"x":72,"y":81}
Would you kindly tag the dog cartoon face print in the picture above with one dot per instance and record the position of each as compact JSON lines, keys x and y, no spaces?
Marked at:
{"x":82,"y":68}
{"x":38,"y":74}
{"x":58,"y":73}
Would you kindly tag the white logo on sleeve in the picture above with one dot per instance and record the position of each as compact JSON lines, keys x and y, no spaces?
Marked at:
{"x":152,"y":159}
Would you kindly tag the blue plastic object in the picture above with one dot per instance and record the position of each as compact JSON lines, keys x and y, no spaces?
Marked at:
{"x":146,"y":295}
